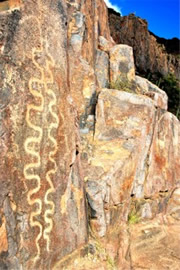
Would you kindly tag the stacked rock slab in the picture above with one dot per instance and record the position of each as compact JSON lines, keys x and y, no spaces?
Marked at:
{"x":135,"y":148}
{"x":42,"y":206}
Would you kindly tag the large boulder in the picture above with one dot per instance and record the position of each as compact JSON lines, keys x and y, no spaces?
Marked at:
{"x":133,"y":155}
{"x":123,"y":134}
{"x":122,"y":63}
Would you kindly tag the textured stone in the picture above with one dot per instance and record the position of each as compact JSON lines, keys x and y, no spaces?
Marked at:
{"x":164,"y":168}
{"x":40,"y":172}
{"x":86,"y":22}
{"x":151,"y":90}
{"x":122,"y":63}
{"x":151,"y":57}
{"x":3,"y":235}
{"x":123,"y":133}
{"x":173,"y":207}
{"x":102,"y":69}
{"x":59,"y":126}
{"x":104,"y":44}
{"x":155,"y":246}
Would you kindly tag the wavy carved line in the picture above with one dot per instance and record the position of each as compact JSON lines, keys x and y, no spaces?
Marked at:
{"x":30,"y":175}
{"x":54,"y":125}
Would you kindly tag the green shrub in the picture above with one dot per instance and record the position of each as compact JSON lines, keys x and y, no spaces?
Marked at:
{"x":171,"y":86}
{"x":123,"y":85}
{"x":133,"y":217}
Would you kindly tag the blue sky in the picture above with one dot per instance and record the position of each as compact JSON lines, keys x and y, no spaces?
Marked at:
{"x":162,"y":15}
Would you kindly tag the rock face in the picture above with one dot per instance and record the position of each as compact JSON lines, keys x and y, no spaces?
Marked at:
{"x":151,"y":56}
{"x":78,"y":157}
{"x":155,"y":246}
{"x":131,"y":156}
{"x":42,"y":196}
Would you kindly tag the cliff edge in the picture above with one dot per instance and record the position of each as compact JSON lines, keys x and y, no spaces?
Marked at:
{"x":152,"y":54}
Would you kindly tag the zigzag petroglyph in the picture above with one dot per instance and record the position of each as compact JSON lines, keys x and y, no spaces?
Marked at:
{"x":30,"y":144}
{"x":53,"y":126}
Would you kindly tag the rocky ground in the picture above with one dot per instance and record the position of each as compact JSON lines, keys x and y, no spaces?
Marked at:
{"x":139,"y":245}
{"x":154,"y":245}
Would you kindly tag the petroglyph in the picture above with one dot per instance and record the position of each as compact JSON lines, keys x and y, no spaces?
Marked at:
{"x":47,"y":102}
{"x":51,"y":172}
{"x":30,"y":143}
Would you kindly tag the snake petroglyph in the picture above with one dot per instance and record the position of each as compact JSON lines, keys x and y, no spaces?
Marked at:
{"x":53,"y":126}
{"x":34,"y":140}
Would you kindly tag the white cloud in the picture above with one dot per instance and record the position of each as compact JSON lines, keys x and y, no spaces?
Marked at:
{"x":110,"y":5}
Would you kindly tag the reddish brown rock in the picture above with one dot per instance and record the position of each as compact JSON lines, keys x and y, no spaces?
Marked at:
{"x":104,"y":44}
{"x":59,"y":127}
{"x":163,"y":165}
{"x":40,"y":171}
{"x":150,"y":56}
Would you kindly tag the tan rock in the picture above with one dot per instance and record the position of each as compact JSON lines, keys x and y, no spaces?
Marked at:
{"x":3,"y":236}
{"x":154,"y":92}
{"x":104,"y":44}
{"x":164,"y":167}
{"x":155,"y":246}
{"x":123,"y":133}
{"x":173,"y":208}
{"x":122,"y":63}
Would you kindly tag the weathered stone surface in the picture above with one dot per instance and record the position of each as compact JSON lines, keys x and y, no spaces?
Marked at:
{"x":155,"y":245}
{"x":40,"y":172}
{"x":104,"y":44}
{"x":86,"y":22}
{"x":125,"y":155}
{"x":3,"y":235}
{"x":151,"y":90}
{"x":9,"y":4}
{"x":173,"y":207}
{"x":150,"y":56}
{"x":102,"y":69}
{"x":164,"y":168}
{"x":59,"y":126}
{"x":122,"y":63}
{"x":123,"y":133}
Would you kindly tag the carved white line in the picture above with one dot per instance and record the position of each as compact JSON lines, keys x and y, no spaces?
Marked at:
{"x":49,"y":175}
{"x":34,"y":141}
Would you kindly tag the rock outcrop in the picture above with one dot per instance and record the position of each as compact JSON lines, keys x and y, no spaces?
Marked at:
{"x":80,"y":161}
{"x":152,"y":54}
{"x":42,"y":198}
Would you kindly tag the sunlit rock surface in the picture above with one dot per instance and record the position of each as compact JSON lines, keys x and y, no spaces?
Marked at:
{"x":150,"y":55}
{"x":42,"y":196}
{"x":80,"y":163}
